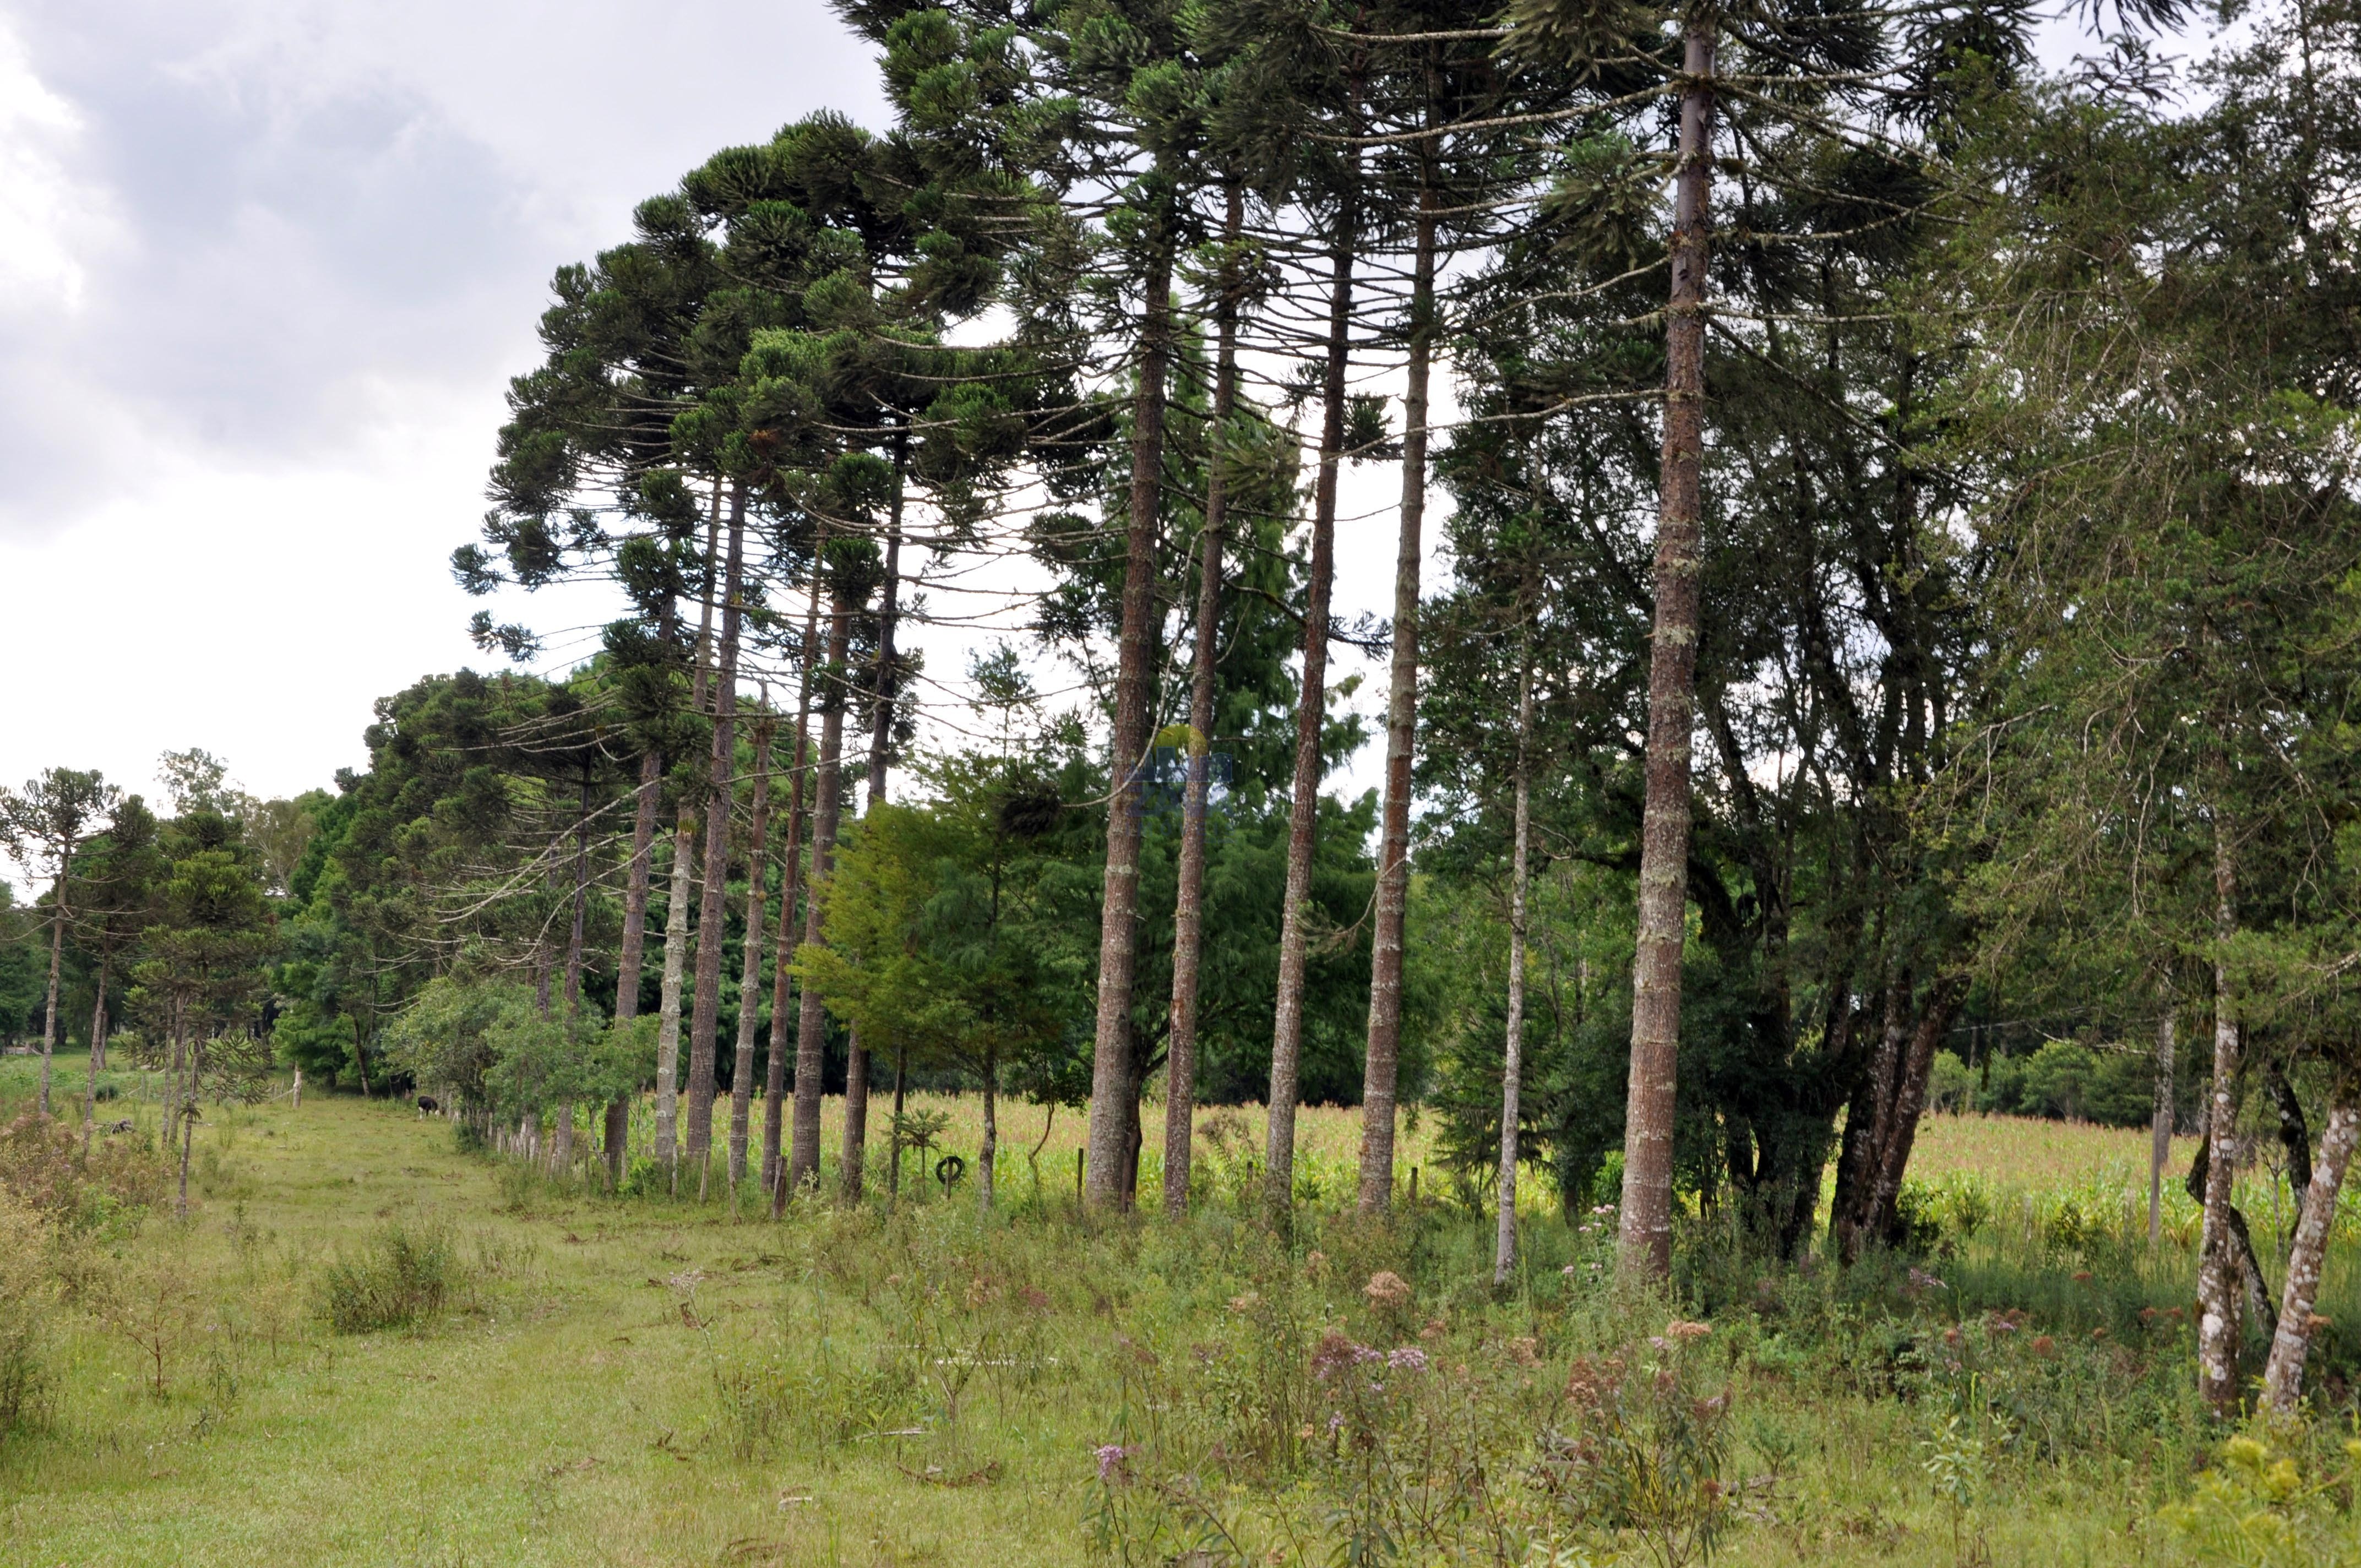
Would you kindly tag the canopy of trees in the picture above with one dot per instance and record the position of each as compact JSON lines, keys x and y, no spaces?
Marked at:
{"x":1887,"y":633}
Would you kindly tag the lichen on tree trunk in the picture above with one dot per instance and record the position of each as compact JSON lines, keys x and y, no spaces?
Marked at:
{"x":2292,"y":1342}
{"x":2217,"y":1292}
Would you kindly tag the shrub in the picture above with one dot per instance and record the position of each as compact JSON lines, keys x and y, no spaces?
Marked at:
{"x":40,"y":1162}
{"x":401,"y":1278}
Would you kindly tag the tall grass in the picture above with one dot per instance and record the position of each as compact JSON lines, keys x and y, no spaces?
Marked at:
{"x":400,"y":1277}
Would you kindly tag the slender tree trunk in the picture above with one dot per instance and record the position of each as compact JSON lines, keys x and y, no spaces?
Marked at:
{"x":811,"y":1032}
{"x":49,"y":1030}
{"x":2159,"y":1142}
{"x":1647,"y":1217}
{"x":1513,"y":1069}
{"x":1312,"y":711}
{"x":2283,"y":1374}
{"x":713,"y":917}
{"x":749,"y":971}
{"x":563,"y":1158}
{"x":884,"y":678}
{"x":853,"y":1153}
{"x":675,"y":963}
{"x":1383,"y":1063}
{"x":1189,"y":906}
{"x":881,"y":737}
{"x":2217,"y":1265}
{"x":171,"y":1087}
{"x":186,"y":1051}
{"x":1119,"y":907}
{"x":987,"y":1154}
{"x":98,"y":1038}
{"x":630,"y":957}
{"x":774,"y":1078}
{"x":900,"y":1085}
{"x":683,"y":873}
{"x":775,"y":1087}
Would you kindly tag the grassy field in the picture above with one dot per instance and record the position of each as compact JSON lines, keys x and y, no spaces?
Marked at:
{"x":645,"y":1382}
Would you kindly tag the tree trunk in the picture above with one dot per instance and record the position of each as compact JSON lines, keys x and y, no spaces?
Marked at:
{"x":901,"y":1087}
{"x":2283,"y":1374}
{"x":853,"y":1153}
{"x":563,"y":1160}
{"x":1311,"y":710}
{"x":889,"y":602}
{"x":630,"y":957}
{"x":171,"y":1086}
{"x":750,"y":972}
{"x":775,"y":1087}
{"x":987,"y":1154}
{"x":1119,"y":907}
{"x":98,"y":1033}
{"x":1512,"y":1068}
{"x":1858,"y":1160}
{"x":2159,"y":1141}
{"x":880,"y":736}
{"x":683,"y":871}
{"x":188,"y":1122}
{"x":1943,"y":1000}
{"x":57,"y":954}
{"x":1189,"y":904}
{"x":1383,"y":1063}
{"x":676,"y":962}
{"x":97,"y":1037}
{"x":811,"y":1034}
{"x":2217,"y":1290}
{"x":713,"y":917}
{"x":1647,"y":1218}
{"x":774,"y":1078}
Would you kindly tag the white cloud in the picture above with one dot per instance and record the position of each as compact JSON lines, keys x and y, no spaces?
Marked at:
{"x":265,"y":268}
{"x":48,"y":224}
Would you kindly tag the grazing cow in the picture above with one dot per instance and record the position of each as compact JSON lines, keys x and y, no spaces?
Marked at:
{"x":426,"y":1105}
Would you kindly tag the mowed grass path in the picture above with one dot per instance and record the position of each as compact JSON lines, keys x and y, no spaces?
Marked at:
{"x":563,"y":1420}
{"x":577,"y":1406}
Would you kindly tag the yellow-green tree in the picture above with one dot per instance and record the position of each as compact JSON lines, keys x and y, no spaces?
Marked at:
{"x":927,"y":951}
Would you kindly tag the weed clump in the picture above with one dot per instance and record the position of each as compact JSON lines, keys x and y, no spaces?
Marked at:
{"x":399,"y":1278}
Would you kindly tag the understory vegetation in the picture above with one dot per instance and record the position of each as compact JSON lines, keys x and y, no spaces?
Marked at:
{"x":369,"y":1345}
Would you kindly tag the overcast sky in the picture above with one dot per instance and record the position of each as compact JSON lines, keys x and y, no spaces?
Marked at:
{"x":265,"y":268}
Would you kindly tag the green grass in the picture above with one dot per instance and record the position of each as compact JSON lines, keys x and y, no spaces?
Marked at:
{"x":643,"y":1382}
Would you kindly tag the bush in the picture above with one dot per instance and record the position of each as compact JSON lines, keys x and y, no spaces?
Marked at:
{"x":40,"y":1162}
{"x":401,"y":1278}
{"x":2066,"y":1080}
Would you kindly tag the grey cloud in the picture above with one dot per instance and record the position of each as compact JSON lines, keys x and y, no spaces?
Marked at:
{"x":325,"y":214}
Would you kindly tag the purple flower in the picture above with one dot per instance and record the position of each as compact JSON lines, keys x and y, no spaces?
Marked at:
{"x":1408,"y":1358}
{"x":1111,"y":1458}
{"x":1335,"y":1420}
